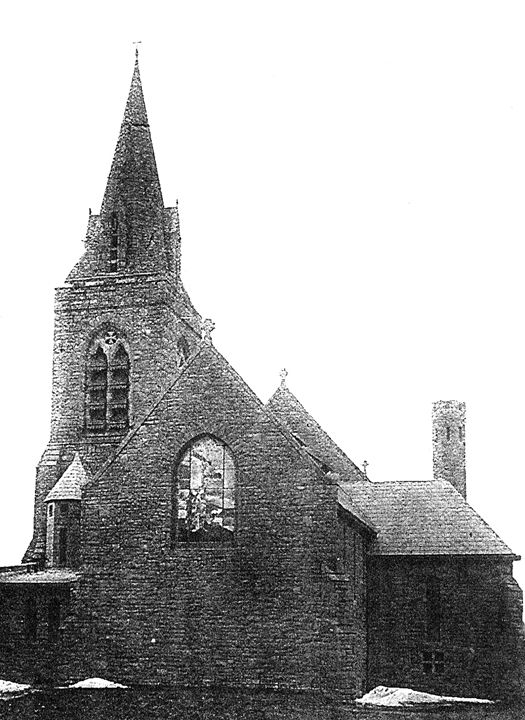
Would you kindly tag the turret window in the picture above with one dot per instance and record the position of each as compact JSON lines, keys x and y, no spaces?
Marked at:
{"x":108,"y":384}
{"x":206,"y":492}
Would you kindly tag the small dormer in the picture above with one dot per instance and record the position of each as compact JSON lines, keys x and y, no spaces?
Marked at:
{"x":63,"y":517}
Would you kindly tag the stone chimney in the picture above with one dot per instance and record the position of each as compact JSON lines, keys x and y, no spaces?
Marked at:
{"x":448,"y":443}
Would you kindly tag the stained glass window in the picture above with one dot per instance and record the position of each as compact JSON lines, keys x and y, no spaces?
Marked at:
{"x":206,"y":492}
{"x":108,"y":384}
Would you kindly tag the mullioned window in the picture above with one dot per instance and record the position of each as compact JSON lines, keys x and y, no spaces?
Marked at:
{"x":107,"y":384}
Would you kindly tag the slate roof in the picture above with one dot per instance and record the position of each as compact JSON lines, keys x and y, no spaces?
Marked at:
{"x":69,"y":486}
{"x":421,"y":518}
{"x":289,"y":411}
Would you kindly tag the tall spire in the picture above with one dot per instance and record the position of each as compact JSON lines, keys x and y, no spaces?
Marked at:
{"x":133,"y":178}
{"x":134,"y":232}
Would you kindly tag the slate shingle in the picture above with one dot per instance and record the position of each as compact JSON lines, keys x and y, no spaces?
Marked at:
{"x":422,"y":518}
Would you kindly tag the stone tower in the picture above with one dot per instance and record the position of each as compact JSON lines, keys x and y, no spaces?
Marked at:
{"x":123,"y":321}
{"x":448,"y":442}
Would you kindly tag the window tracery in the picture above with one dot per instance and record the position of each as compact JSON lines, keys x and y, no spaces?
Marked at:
{"x":206,"y":492}
{"x":108,"y":384}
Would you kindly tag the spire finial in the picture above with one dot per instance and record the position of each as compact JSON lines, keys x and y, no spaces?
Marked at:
{"x":365,"y":465}
{"x":137,"y":43}
{"x":283,"y":375}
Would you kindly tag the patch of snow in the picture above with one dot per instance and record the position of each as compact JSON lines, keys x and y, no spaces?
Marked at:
{"x":96,"y":683}
{"x":397,"y":697}
{"x":11,"y":687}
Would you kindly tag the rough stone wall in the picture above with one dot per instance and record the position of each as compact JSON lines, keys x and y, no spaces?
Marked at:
{"x":251,"y":613}
{"x":28,"y":649}
{"x":479,"y":637}
{"x":151,"y":315}
{"x":448,"y":443}
{"x":343,"y":628}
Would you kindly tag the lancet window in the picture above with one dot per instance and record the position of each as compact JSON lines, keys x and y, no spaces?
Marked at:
{"x":113,"y":242}
{"x":206,"y":492}
{"x":108,"y":384}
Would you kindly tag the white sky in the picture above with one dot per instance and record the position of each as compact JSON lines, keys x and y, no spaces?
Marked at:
{"x":351,"y":186}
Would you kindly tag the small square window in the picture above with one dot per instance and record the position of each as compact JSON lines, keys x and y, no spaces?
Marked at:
{"x":433,"y":662}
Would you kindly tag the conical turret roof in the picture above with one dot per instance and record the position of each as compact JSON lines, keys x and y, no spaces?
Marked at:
{"x":69,"y":486}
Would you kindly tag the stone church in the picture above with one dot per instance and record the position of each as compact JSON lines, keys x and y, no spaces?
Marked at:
{"x":187,"y":533}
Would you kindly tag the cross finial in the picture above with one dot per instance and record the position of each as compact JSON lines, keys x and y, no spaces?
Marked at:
{"x":283,"y":374}
{"x":207,"y":327}
{"x":137,"y":43}
{"x":365,"y":465}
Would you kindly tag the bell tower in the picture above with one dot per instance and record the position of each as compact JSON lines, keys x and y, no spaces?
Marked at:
{"x":448,"y":443}
{"x":123,"y":322}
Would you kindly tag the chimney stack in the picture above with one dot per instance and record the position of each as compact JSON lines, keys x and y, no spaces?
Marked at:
{"x":448,"y":443}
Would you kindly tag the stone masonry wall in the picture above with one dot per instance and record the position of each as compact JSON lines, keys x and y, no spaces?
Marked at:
{"x":251,"y":613}
{"x":473,"y":648}
{"x":148,"y":313}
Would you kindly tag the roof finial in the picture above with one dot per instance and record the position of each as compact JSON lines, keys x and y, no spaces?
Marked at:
{"x":365,"y":465}
{"x":284,"y":375}
{"x":137,"y":43}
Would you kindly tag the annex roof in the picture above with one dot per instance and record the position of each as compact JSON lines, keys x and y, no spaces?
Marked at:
{"x":422,"y":518}
{"x":54,"y":576}
{"x":289,"y":411}
{"x":69,"y":486}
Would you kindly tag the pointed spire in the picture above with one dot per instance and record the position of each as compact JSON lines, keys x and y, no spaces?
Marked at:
{"x":133,"y":209}
{"x":135,"y":112}
{"x":133,"y":178}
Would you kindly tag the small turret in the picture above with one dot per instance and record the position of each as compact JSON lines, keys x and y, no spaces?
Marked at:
{"x":63,"y":517}
{"x":448,"y":442}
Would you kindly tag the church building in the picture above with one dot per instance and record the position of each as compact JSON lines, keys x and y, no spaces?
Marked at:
{"x":187,"y":533}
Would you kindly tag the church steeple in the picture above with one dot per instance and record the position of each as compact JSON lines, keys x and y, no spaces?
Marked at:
{"x":133,"y":181}
{"x":134,"y":232}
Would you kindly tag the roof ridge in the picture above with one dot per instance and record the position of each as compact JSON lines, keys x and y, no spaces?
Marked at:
{"x":266,"y":411}
{"x":285,"y":389}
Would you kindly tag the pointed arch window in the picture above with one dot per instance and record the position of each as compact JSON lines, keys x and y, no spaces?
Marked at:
{"x":206,"y":492}
{"x":108,"y":384}
{"x":97,"y":390}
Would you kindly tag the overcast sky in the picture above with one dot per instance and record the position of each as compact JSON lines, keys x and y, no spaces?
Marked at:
{"x":351,"y":184}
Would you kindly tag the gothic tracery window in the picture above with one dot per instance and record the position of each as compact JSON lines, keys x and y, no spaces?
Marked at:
{"x":108,"y":382}
{"x":206,"y":492}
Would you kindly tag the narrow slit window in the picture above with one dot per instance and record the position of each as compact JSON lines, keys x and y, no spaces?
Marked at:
{"x":113,"y":243}
{"x":448,"y":433}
